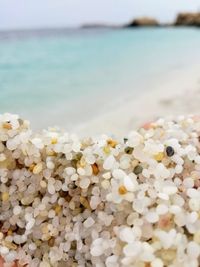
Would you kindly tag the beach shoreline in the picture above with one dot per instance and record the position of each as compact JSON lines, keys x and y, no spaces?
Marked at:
{"x":177,"y":93}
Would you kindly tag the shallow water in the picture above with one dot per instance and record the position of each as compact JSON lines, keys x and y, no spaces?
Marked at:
{"x":43,"y":72}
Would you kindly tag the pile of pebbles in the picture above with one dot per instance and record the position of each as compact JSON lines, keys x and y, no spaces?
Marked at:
{"x":100,"y":201}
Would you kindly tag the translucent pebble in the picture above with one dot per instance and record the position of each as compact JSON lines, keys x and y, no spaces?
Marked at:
{"x":178,"y":169}
{"x":84,"y":183}
{"x":17,"y":210}
{"x":161,"y":209}
{"x":94,"y":202}
{"x":30,"y":224}
{"x":3,"y":250}
{"x":157,"y":263}
{"x":192,"y":217}
{"x":97,"y":248}
{"x":105,"y":184}
{"x":193,"y":249}
{"x":134,"y":139}
{"x":51,"y":189}
{"x":11,"y":144}
{"x":193,"y":193}
{"x":129,"y":184}
{"x":81,"y":171}
{"x":50,"y":165}
{"x":2,"y":157}
{"x":38,"y":143}
{"x":89,"y":222}
{"x":169,"y":190}
{"x":109,"y":163}
{"x":161,"y":172}
{"x":194,"y":204}
{"x":11,"y":256}
{"x":127,"y":235}
{"x":90,"y":159}
{"x":152,"y":217}
{"x":174,"y":209}
{"x":112,"y":261}
{"x":32,"y":246}
{"x":132,"y":249}
{"x":188,"y":182}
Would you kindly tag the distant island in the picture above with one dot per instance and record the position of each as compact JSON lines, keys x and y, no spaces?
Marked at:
{"x":182,"y":19}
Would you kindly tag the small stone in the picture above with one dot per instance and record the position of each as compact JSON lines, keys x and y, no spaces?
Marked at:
{"x":7,"y":125}
{"x":122,"y":190}
{"x":112,"y":143}
{"x":38,"y":168}
{"x":95,"y":169}
{"x":84,"y":182}
{"x":17,"y":210}
{"x":109,"y":162}
{"x":169,"y":151}
{"x":128,"y":150}
{"x":159,"y":157}
{"x":30,"y":224}
{"x":57,"y":209}
{"x":85,"y":202}
{"x":5,"y":196}
{"x":89,"y":222}
{"x":152,"y":217}
{"x":138,"y":169}
{"x":54,"y":140}
{"x":157,"y":263}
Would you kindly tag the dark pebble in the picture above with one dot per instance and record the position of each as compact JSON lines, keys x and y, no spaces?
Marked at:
{"x":138,"y":169}
{"x":169,"y":151}
{"x":125,"y":140}
{"x":128,"y":150}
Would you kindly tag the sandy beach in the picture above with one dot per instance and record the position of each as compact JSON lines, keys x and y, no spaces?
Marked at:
{"x":178,"y":93}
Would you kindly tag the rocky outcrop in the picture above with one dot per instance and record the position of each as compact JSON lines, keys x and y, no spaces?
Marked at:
{"x":188,"y":19}
{"x":143,"y":22}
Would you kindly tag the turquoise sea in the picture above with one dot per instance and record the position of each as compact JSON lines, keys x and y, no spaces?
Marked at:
{"x":78,"y":72}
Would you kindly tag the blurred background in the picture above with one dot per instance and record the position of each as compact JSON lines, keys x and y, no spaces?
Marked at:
{"x":97,"y":66}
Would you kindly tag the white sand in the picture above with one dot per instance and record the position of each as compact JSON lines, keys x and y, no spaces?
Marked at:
{"x":176,"y":94}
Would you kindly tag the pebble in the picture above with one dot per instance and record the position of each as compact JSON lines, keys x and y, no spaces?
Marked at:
{"x":169,"y":151}
{"x":88,"y":223}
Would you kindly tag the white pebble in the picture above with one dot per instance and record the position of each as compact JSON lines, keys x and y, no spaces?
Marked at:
{"x":89,"y":222}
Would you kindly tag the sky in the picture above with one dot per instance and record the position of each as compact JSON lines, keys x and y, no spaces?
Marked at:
{"x":20,"y":14}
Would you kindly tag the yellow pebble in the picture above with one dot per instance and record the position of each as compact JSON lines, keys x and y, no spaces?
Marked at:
{"x":9,"y":245}
{"x":197,"y":237}
{"x":9,"y":232}
{"x":168,"y":255}
{"x":45,"y":229}
{"x":57,"y":209}
{"x":122,"y":190}
{"x":54,"y":141}
{"x":38,"y":168}
{"x":82,"y":162}
{"x":112,"y":143}
{"x":85,"y":202}
{"x":37,"y":242}
{"x":5,"y":196}
{"x":106,"y":149}
{"x":31,"y":167}
{"x":7,"y":126}
{"x":51,"y":153}
{"x":43,"y":184}
{"x":159,"y":156}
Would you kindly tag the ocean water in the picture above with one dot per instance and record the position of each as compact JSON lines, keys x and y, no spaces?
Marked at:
{"x":69,"y":76}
